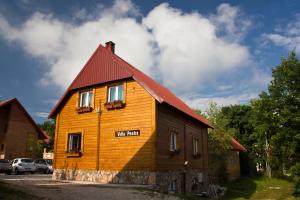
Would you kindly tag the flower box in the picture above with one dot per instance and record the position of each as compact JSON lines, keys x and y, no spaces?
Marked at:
{"x":114,"y":105}
{"x":74,"y":153}
{"x":84,"y":109}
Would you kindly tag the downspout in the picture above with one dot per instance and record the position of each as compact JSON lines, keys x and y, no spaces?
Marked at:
{"x":98,"y":111}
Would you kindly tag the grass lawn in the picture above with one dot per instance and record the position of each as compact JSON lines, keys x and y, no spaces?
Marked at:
{"x":10,"y":193}
{"x":259,"y":188}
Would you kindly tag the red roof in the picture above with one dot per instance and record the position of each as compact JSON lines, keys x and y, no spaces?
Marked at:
{"x":105,"y":66}
{"x":236,"y":145}
{"x":14,"y":100}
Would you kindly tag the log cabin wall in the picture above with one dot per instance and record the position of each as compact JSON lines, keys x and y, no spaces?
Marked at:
{"x":169,"y":118}
{"x":115,"y":153}
{"x":20,"y":137}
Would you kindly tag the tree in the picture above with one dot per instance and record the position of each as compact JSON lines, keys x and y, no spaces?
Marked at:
{"x":237,"y":118}
{"x":49,"y":127}
{"x":218,"y":141}
{"x":277,"y":116}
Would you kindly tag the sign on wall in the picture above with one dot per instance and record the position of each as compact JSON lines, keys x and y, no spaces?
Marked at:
{"x":127,"y":133}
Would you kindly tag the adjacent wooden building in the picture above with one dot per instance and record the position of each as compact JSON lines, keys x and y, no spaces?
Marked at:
{"x":18,"y":132}
{"x":114,"y":124}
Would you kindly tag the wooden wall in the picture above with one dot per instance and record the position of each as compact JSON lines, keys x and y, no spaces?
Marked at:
{"x":169,"y":118}
{"x":116,"y":153}
{"x":20,"y":135}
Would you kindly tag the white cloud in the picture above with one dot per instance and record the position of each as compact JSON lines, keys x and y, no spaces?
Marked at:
{"x":191,"y":53}
{"x":66,"y":47}
{"x":202,"y":103}
{"x":185,"y":50}
{"x":286,"y":36}
{"x":41,"y":114}
{"x":231,"y":21}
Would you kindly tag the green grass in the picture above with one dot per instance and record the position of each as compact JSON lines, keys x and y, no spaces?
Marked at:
{"x":10,"y":193}
{"x":259,"y":188}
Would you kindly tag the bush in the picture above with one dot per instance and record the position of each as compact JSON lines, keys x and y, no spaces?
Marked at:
{"x":295,"y":173}
{"x":297,"y":188}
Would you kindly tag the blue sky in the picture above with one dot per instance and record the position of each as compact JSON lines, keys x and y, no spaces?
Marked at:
{"x":202,"y":50}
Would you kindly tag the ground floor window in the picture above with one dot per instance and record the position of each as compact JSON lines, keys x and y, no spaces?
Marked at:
{"x":74,"y":142}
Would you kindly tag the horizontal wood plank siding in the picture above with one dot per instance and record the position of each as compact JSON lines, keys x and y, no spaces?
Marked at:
{"x":170,"y":118}
{"x":116,"y":153}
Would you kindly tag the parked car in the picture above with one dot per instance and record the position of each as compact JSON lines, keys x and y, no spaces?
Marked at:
{"x":21,"y":165}
{"x":43,"y":165}
{"x":50,"y":165}
{"x":5,"y":166}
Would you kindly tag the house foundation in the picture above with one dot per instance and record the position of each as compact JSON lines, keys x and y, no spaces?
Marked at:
{"x":191,"y":181}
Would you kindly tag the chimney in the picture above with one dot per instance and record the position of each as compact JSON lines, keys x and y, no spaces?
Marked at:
{"x":111,"y":46}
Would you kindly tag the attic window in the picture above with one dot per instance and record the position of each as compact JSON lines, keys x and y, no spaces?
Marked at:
{"x":115,"y":93}
{"x":86,"y":99}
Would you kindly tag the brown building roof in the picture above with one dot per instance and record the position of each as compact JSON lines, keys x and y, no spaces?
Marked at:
{"x":105,"y":66}
{"x":14,"y":100}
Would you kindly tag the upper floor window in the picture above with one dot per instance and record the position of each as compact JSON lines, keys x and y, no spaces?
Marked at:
{"x":86,"y":99}
{"x":173,"y":141}
{"x":195,"y":147}
{"x":115,"y":93}
{"x":74,"y":142}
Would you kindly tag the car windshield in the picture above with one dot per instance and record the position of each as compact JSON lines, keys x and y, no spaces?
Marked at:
{"x":26,"y":160}
{"x":4,"y":161}
{"x":49,"y":162}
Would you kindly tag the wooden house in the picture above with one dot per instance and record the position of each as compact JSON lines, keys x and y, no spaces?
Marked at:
{"x":18,"y":132}
{"x":114,"y":124}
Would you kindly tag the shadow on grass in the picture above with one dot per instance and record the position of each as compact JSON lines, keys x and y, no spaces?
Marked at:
{"x":241,"y":188}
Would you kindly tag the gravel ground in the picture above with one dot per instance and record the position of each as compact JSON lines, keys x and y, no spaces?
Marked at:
{"x":43,"y":187}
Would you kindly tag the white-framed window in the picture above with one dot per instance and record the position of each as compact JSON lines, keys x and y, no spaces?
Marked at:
{"x":74,"y":142}
{"x":115,"y":93}
{"x":173,"y":141}
{"x":173,"y":186}
{"x":195,"y":146}
{"x":86,"y":99}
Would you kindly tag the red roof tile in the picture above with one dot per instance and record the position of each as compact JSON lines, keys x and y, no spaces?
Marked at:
{"x":105,"y":66}
{"x":236,"y":145}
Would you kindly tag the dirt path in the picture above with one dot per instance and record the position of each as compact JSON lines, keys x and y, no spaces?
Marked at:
{"x":43,"y":187}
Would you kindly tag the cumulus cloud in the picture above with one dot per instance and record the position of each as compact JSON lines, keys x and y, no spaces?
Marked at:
{"x":231,"y":22}
{"x":185,"y":51}
{"x":190,"y":48}
{"x":65,"y":47}
{"x":287,"y":36}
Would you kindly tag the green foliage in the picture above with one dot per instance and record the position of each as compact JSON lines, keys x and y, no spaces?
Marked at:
{"x":218,"y":141}
{"x":49,"y":127}
{"x":276,"y":116}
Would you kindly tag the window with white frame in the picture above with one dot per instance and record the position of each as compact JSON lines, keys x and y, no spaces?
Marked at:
{"x":195,"y":146}
{"x":74,"y":142}
{"x":86,"y":99}
{"x":173,"y":141}
{"x":115,"y":93}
